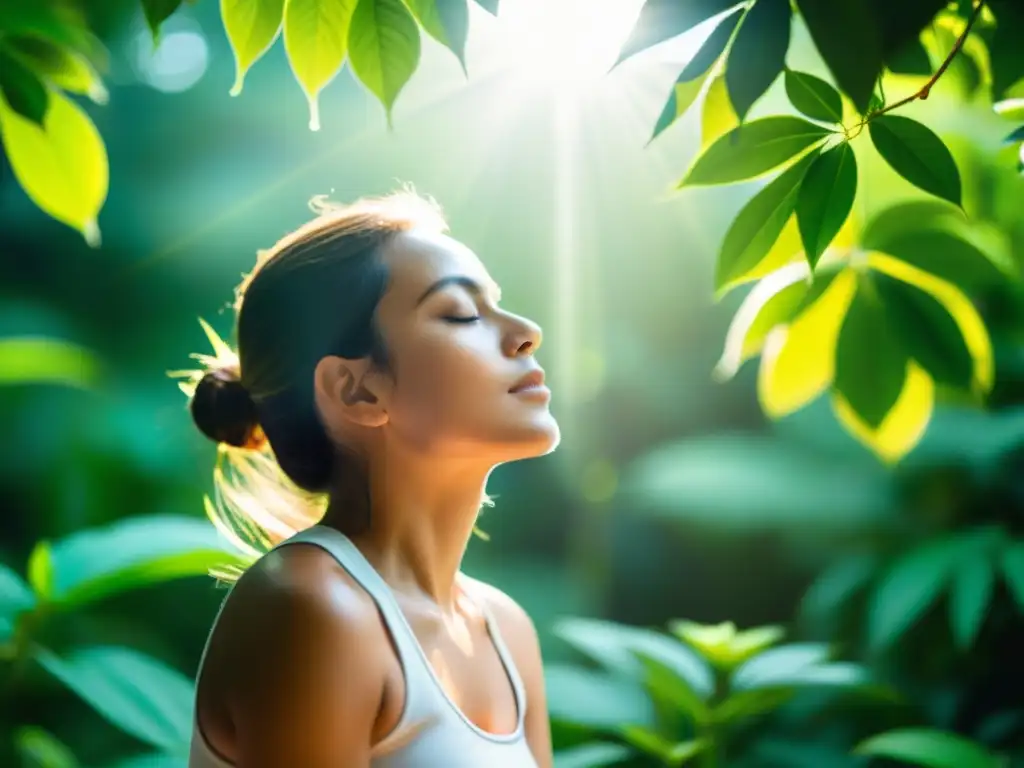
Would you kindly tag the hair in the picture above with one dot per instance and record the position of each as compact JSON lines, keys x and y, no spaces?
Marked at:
{"x":313,"y":294}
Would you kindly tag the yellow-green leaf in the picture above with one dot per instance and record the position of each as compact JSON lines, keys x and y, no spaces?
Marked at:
{"x":46,"y":361}
{"x":385,"y":48}
{"x":62,"y":67}
{"x":251,"y":27}
{"x":447,"y":21}
{"x":717,"y":117}
{"x":62,"y":165}
{"x":316,"y":35}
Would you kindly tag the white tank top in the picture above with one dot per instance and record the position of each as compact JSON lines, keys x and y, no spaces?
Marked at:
{"x":432,"y":731}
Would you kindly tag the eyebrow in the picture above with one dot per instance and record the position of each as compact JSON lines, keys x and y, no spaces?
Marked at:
{"x":463,"y":281}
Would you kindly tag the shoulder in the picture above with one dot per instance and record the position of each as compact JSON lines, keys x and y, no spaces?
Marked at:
{"x":510,"y":615}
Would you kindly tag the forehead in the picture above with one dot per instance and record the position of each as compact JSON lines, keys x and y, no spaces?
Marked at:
{"x":418,"y":259}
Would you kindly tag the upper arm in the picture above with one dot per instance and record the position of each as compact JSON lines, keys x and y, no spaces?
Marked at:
{"x":312,"y":691}
{"x":520,"y":636}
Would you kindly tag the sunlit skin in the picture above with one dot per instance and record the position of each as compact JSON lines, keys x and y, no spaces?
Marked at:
{"x":301,"y":670}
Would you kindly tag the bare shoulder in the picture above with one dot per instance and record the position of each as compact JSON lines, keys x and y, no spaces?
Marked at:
{"x":512,"y":618}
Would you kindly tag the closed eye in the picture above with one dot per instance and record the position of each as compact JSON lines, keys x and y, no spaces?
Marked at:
{"x":463,"y":320}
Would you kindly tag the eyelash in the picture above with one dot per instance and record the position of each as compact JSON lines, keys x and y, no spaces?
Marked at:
{"x":463,"y":320}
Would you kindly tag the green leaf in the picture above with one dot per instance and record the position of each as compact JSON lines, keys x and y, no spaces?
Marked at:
{"x":1012,"y":109}
{"x":61,"y":23}
{"x":491,"y":6}
{"x":136,"y":693}
{"x":40,"y":570}
{"x":61,"y":67}
{"x":592,"y":755}
{"x":825,"y":199}
{"x":814,"y":97}
{"x":668,"y":686}
{"x":742,"y":705}
{"x":1013,"y":572}
{"x":1017,"y":135}
{"x":849,"y":40}
{"x":46,"y":361}
{"x":252,"y":27}
{"x":22,"y":89}
{"x":917,"y":154}
{"x":713,"y":47}
{"x":652,"y":743}
{"x":926,"y":331}
{"x":837,"y":586}
{"x":157,"y":12}
{"x":384,"y":48}
{"x":753,"y":149}
{"x":62,"y":166}
{"x":969,"y":597}
{"x":316,"y":39}
{"x":912,"y":59}
{"x":153,"y":760}
{"x":661,"y":20}
{"x":871,"y":366}
{"x":15,"y":595}
{"x":717,"y":115}
{"x":908,"y":590}
{"x":132,"y":553}
{"x":777,"y":665}
{"x":41,"y":749}
{"x":929,"y":748}
{"x":759,"y":223}
{"x":594,"y":699}
{"x":447,"y":21}
{"x":758,"y":55}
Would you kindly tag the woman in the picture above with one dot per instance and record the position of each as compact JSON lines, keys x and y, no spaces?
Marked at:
{"x":375,"y":371}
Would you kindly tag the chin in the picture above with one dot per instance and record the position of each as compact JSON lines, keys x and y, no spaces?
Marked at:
{"x":538,"y":438}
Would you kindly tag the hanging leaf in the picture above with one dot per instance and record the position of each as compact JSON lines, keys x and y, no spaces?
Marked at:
{"x":758,"y":225}
{"x":970,"y":593}
{"x":753,"y":149}
{"x":717,"y":114}
{"x":850,"y":43}
{"x":447,"y":21}
{"x":758,"y":56}
{"x":316,"y":39}
{"x":62,"y":24}
{"x":917,"y":154}
{"x":928,"y":748}
{"x":40,"y":570}
{"x":252,"y":27}
{"x":814,"y":97}
{"x":62,"y":166}
{"x":136,"y":693}
{"x":661,"y":20}
{"x":491,"y":6}
{"x":157,"y":12}
{"x":21,"y":88}
{"x":385,"y":48}
{"x":1017,"y":135}
{"x":61,"y":67}
{"x":908,"y":590}
{"x":46,"y":361}
{"x":825,"y":199}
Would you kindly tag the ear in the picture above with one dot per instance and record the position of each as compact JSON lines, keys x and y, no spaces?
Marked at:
{"x":349,"y":392}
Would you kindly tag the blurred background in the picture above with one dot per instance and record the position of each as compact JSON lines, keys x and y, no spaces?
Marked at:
{"x":671,"y":497}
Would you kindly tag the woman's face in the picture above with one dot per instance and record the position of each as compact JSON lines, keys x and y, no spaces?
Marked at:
{"x":464,"y":380}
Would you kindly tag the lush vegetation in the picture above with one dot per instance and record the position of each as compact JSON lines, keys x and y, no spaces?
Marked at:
{"x":903,"y":317}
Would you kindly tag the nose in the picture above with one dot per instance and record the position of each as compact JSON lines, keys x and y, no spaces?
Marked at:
{"x":523,"y":338}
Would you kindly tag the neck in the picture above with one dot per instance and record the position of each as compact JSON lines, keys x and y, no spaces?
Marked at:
{"x":422,"y":514}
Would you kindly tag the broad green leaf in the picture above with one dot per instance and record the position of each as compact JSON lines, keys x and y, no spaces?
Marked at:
{"x":928,"y":748}
{"x":759,"y":223}
{"x":679,"y":101}
{"x":751,"y":642}
{"x":912,"y":59}
{"x":722,"y":644}
{"x":138,"y":694}
{"x":132,"y":553}
{"x":753,"y":149}
{"x":849,"y":40}
{"x":917,"y":154}
{"x":777,"y":665}
{"x":871,"y":364}
{"x":662,"y":20}
{"x":908,"y":590}
{"x":252,"y":27}
{"x":316,"y":39}
{"x":799,"y":361}
{"x":62,"y":166}
{"x":668,"y":686}
{"x":594,"y":699}
{"x":46,"y":361}
{"x":969,"y":598}
{"x":774,"y":301}
{"x":384,"y":48}
{"x":814,"y":97}
{"x":743,"y":705}
{"x":758,"y":55}
{"x":925,"y":331}
{"x":837,"y":586}
{"x":1013,"y":572}
{"x":22,"y":89}
{"x":1012,"y":109}
{"x":825,"y":199}
{"x":491,"y":6}
{"x":717,"y":115}
{"x":957,"y":305}
{"x":447,"y":21}
{"x":671,"y":753}
{"x":62,"y":67}
{"x":710,"y":52}
{"x":157,"y":12}
{"x":40,"y":570}
{"x":62,"y":23}
{"x":39,"y":748}
{"x":15,"y":595}
{"x":592,"y":755}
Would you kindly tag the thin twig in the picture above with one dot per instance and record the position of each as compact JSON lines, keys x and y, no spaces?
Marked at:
{"x":926,"y":89}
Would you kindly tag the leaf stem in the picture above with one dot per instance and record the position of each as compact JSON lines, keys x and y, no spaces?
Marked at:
{"x":927,"y":88}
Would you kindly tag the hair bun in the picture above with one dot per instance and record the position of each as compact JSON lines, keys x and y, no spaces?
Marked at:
{"x":224,"y":411}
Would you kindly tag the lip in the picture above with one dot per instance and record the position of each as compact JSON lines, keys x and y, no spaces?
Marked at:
{"x":531,"y":382}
